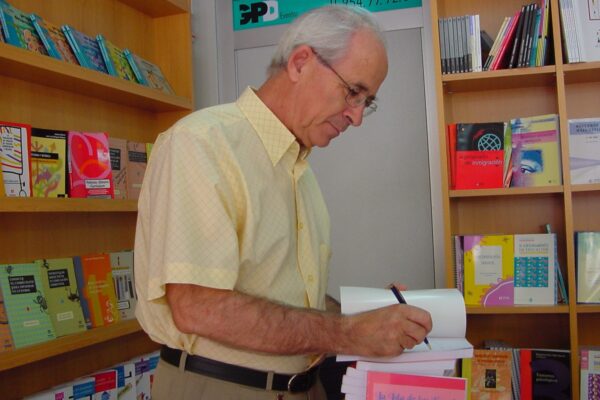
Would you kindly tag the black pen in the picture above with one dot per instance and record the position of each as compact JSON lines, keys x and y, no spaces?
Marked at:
{"x":401,"y":300}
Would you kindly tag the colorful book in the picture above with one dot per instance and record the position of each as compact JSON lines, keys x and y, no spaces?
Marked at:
{"x":536,"y":148}
{"x":15,"y":139}
{"x":26,"y":304}
{"x":126,"y":385}
{"x":54,"y":39}
{"x":114,"y":59}
{"x":489,"y":273}
{"x":62,"y":295}
{"x":49,"y":162}
{"x":85,"y":48}
{"x":105,"y":387}
{"x":97,"y":290}
{"x":18,"y":29}
{"x":6,"y":342}
{"x":589,"y":362}
{"x":479,"y":155}
{"x":535,"y":268}
{"x":121,"y":263}
{"x":147,"y":73}
{"x":136,"y":167}
{"x":545,"y":374}
{"x":90,"y":172}
{"x":385,"y":385}
{"x":584,"y":150}
{"x":588,"y":266}
{"x":118,"y":165}
{"x":490,"y":375}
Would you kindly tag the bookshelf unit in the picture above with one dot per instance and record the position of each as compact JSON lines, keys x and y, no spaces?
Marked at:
{"x":571,"y":91}
{"x":49,"y":93}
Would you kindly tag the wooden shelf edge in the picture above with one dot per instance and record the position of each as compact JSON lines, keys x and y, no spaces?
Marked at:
{"x":519,"y":309}
{"x":34,"y":204}
{"x":506,"y":191}
{"x":16,"y":358}
{"x":500,"y":79}
{"x":585,"y":187}
{"x":33,"y":67}
{"x":159,"y":8}
{"x":588,"y":308}
{"x":501,"y":73}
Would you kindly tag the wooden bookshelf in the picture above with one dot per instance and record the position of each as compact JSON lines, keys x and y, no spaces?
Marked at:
{"x":49,"y":93}
{"x":571,"y":91}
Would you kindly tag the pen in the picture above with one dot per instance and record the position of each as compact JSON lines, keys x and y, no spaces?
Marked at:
{"x":401,"y":300}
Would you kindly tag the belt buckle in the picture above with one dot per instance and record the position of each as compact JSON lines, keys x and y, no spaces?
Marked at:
{"x":298,"y":383}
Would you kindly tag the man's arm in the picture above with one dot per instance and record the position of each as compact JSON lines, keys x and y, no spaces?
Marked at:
{"x":257,"y":324}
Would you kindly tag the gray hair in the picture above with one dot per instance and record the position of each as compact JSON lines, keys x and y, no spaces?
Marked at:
{"x":326,"y":29}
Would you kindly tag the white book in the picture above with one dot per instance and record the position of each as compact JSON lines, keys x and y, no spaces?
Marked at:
{"x":589,"y":374}
{"x":588,"y":267}
{"x":535,"y":268}
{"x":587,"y":28}
{"x":584,"y":150}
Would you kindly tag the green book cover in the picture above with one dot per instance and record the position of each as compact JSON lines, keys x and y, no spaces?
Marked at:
{"x":25,"y":304}
{"x":121,"y":263}
{"x":6,"y":342}
{"x":62,"y":296}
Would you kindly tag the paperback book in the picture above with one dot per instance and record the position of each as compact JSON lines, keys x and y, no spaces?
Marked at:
{"x":147,"y":73}
{"x":385,"y":385}
{"x":114,"y":59}
{"x":121,"y":263}
{"x":54,"y":39}
{"x":489,"y":373}
{"x":118,"y":165}
{"x":534,"y":263}
{"x":6,"y":342}
{"x":90,"y":173}
{"x":588,"y":266}
{"x":136,"y":167}
{"x":49,"y":162}
{"x":589,"y":362}
{"x":18,"y":29}
{"x":85,"y":48}
{"x":584,"y":150}
{"x":545,"y":373}
{"x":15,"y":139}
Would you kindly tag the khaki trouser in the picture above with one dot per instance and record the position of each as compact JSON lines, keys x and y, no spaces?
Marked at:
{"x":172,"y":383}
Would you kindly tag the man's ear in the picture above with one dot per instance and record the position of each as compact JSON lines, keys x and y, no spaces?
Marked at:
{"x":297,"y":60}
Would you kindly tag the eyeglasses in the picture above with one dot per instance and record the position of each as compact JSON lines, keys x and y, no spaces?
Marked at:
{"x":355,"y":97}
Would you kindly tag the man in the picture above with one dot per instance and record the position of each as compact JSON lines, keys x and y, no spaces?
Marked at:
{"x":232,"y":241}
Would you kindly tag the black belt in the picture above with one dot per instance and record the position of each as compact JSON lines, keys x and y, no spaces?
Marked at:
{"x":295,"y":383}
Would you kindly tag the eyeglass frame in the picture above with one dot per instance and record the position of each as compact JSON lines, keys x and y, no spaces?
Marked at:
{"x":354,"y":98}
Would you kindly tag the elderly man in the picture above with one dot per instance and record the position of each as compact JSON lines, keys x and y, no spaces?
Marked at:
{"x":233,"y":236}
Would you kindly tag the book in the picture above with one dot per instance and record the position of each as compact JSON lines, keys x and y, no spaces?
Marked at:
{"x":451,"y":135}
{"x":534,"y":268}
{"x":25,"y":303}
{"x":536,"y":148}
{"x":49,"y":162}
{"x":584,"y":150}
{"x":502,"y":59}
{"x":126,"y":387}
{"x":62,"y":295}
{"x":15,"y":139}
{"x":85,"y":48}
{"x":136,"y":167}
{"x":105,"y":386}
{"x":118,"y":165}
{"x":385,"y":385}
{"x":147,"y":73}
{"x":54,"y":39}
{"x":545,"y":373}
{"x":586,"y":15}
{"x":491,"y":375}
{"x":18,"y":29}
{"x":97,"y":290}
{"x":114,"y":59}
{"x":479,"y":155}
{"x":90,"y":173}
{"x":589,"y":385}
{"x":121,"y":263}
{"x":6,"y":342}
{"x":587,"y":261}
{"x":447,"y":310}
{"x":489,"y":272}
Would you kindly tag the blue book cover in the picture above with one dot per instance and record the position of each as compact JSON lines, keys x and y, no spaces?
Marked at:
{"x":136,"y":71}
{"x":53,"y":39}
{"x":86,"y":49}
{"x":44,"y":36}
{"x":18,"y":29}
{"x":79,"y":277}
{"x":104,"y":51}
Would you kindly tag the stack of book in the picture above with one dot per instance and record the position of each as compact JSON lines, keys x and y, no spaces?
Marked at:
{"x":460,"y":44}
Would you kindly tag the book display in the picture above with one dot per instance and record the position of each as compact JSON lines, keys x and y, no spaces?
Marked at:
{"x":569,"y":204}
{"x":46,"y":92}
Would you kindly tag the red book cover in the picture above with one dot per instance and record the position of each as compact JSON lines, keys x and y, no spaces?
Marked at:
{"x":452,"y":154}
{"x":509,"y":38}
{"x":525,"y":374}
{"x":90,"y":173}
{"x":479,"y":169}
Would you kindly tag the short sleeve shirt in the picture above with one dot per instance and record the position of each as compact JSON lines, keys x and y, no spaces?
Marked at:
{"x":229,"y":201}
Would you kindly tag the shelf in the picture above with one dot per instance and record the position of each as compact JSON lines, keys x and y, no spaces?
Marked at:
{"x":585,"y":187}
{"x":588,"y":308}
{"x":16,"y":358}
{"x":159,"y":8}
{"x":34,"y":204}
{"x":501,"y":79}
{"x":33,"y":67}
{"x":520,"y":191}
{"x":520,"y":309}
{"x":582,"y":72}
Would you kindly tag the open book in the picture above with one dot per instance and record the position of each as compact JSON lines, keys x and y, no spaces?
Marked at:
{"x":447,"y":309}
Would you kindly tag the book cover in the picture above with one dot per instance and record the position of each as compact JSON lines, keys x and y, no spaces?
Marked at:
{"x":589,"y":362}
{"x":85,"y":48}
{"x":62,"y":295}
{"x":15,"y":139}
{"x":49,"y":162}
{"x":489,"y":272}
{"x":53,"y":39}
{"x":451,"y":134}
{"x":6,"y":342}
{"x":105,"y":387}
{"x":90,"y":172}
{"x":385,"y":385}
{"x":18,"y":29}
{"x":118,"y":165}
{"x":586,"y":15}
{"x":534,"y":264}
{"x":584,"y":150}
{"x":545,"y":374}
{"x":96,"y":288}
{"x":25,"y":303}
{"x":536,"y":148}
{"x":115,"y":60}
{"x":479,"y":155}
{"x":126,"y":387}
{"x":491,"y":374}
{"x":588,"y":266}
{"x":121,"y":263}
{"x":147,"y":73}
{"x":136,"y":167}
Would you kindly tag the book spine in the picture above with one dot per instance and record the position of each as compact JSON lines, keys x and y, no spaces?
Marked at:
{"x":506,"y":43}
{"x":136,"y":71}
{"x":78,"y":54}
{"x":496,"y":43}
{"x":42,"y":33}
{"x":104,"y":51}
{"x":512,"y":62}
